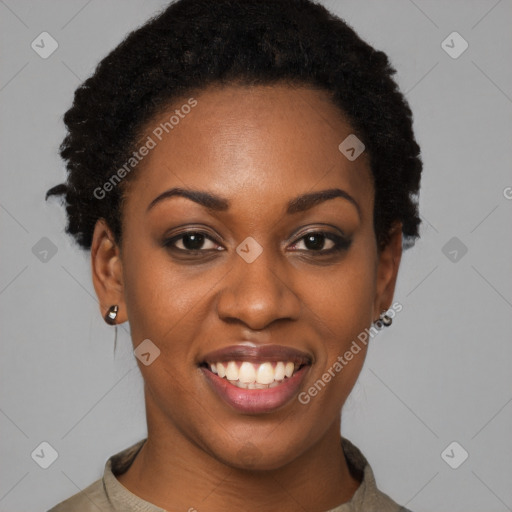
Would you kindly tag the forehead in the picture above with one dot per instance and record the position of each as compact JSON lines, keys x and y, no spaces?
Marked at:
{"x":248,"y":142}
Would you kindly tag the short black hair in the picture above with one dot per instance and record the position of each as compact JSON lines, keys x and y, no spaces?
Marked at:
{"x":193,"y":44}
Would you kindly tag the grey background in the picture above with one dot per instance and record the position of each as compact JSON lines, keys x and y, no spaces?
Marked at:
{"x":441,"y":373}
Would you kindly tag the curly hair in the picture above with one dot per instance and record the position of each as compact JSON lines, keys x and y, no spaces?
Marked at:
{"x":192,"y":44}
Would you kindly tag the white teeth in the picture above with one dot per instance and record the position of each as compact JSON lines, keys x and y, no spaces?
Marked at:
{"x":265,"y":374}
{"x":232,"y":371}
{"x":221,"y":370}
{"x":279,"y":371}
{"x":247,"y":375}
{"x":288,"y":369}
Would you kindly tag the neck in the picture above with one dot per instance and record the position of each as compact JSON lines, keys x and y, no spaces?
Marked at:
{"x":174,"y":473}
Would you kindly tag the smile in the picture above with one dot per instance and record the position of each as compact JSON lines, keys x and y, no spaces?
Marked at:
{"x":256,"y":379}
{"x":247,"y":375}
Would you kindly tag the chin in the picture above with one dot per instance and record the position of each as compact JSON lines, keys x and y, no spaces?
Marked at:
{"x":254,"y":456}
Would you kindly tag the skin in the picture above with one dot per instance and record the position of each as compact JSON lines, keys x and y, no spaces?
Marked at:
{"x":258,"y":147}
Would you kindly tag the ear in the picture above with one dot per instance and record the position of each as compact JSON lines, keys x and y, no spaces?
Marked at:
{"x":387,"y":271}
{"x":107,"y":271}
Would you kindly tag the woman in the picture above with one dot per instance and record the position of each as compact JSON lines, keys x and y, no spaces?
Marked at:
{"x":244,"y":174}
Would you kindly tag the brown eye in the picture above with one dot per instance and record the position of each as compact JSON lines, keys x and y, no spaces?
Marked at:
{"x":191,"y":241}
{"x":316,"y":241}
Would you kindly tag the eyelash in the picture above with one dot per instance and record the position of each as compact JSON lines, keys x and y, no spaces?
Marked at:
{"x":340,"y":243}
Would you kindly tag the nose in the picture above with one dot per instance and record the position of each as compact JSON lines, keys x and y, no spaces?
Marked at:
{"x":258,"y":293}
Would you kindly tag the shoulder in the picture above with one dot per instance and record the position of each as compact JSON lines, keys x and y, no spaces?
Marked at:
{"x":105,"y":494}
{"x":91,"y":499}
{"x":368,"y":497}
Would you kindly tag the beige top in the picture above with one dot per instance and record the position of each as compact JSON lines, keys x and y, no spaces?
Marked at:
{"x":108,"y":495}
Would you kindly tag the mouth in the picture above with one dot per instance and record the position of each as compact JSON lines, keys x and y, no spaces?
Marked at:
{"x":256,"y":379}
{"x":247,"y":375}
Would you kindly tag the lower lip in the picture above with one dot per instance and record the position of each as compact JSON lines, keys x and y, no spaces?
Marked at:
{"x":256,"y":401}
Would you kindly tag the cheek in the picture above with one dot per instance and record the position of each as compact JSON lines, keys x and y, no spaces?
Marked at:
{"x":341,"y":297}
{"x":154,"y":291}
{"x":167,"y":303}
{"x":340,"y":304}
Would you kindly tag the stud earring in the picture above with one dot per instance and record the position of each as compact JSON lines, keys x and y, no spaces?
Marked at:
{"x":111,"y":315}
{"x":386,"y":319}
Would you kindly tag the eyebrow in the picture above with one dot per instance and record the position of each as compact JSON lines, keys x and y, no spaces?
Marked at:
{"x":217,"y":203}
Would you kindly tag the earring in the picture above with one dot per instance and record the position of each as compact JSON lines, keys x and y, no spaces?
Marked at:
{"x":111,"y":315}
{"x":386,"y":319}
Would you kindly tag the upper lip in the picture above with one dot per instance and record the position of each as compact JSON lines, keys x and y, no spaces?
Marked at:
{"x":257,"y":354}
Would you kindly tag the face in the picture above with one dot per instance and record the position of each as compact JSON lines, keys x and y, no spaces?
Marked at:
{"x":258,"y":276}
